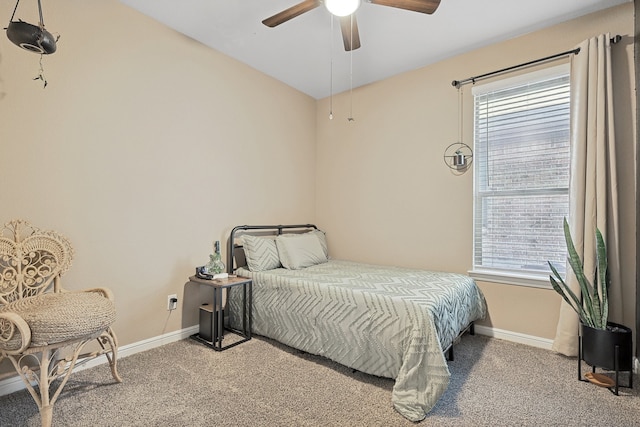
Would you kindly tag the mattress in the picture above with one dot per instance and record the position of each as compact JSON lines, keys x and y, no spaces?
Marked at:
{"x":386,"y":321}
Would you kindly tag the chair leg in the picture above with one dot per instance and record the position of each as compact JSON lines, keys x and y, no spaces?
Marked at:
{"x":48,"y":373}
{"x":45,"y":405}
{"x":109,"y":338}
{"x":41,"y":395}
{"x":46,"y":415}
{"x":61,"y":369}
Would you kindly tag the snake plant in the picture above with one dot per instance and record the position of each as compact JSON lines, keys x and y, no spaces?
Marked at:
{"x":592,"y":305}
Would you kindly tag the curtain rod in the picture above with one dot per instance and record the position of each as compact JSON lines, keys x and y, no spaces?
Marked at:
{"x":458,"y":83}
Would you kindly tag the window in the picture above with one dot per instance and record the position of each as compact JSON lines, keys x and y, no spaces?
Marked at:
{"x":521,"y":181}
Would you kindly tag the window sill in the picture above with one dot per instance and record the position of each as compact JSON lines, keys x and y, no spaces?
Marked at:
{"x":530,"y":280}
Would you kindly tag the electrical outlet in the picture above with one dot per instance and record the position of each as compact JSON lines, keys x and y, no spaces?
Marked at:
{"x":172,"y":302}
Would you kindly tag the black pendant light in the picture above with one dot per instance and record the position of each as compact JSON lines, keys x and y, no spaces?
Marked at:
{"x":34,"y":38}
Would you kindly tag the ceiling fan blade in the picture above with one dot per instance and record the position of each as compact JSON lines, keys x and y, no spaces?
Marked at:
{"x":291,"y":13}
{"x":348,"y":31}
{"x":422,"y":6}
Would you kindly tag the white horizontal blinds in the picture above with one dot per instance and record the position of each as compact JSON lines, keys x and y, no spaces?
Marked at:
{"x":521,"y":175}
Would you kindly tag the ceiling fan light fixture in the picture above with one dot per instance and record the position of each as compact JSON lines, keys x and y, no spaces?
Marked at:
{"x":342,"y":7}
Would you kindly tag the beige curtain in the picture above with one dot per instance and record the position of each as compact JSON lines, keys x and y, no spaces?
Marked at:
{"x":593,"y":200}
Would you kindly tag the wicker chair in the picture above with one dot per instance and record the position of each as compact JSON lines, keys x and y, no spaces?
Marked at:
{"x":43,"y":328}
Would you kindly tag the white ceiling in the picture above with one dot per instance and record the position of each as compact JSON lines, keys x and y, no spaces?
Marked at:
{"x":301,"y":52}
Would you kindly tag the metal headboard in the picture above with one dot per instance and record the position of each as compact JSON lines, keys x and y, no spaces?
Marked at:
{"x":236,"y":252}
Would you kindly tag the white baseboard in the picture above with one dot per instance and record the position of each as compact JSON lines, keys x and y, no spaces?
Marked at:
{"x":514,"y":337}
{"x":530,"y":340}
{"x":13,"y":384}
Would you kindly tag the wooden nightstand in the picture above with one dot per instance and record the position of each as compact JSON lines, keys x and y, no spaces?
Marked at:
{"x":217,"y":318}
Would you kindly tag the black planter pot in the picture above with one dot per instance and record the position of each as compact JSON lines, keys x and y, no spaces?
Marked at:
{"x":610,"y":349}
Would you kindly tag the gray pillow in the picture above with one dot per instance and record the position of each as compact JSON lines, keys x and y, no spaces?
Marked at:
{"x":261,"y":253}
{"x":298,"y":251}
{"x":323,"y":241}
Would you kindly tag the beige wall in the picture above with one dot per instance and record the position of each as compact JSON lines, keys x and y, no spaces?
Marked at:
{"x":144,"y":148}
{"x":384,"y":194}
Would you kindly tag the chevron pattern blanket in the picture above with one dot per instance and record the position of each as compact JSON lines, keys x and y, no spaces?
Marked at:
{"x":386,"y":321}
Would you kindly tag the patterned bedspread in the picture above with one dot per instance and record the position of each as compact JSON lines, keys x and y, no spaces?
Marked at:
{"x":386,"y":321}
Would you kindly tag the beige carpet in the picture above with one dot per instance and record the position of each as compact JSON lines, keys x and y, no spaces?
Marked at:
{"x":262,"y":383}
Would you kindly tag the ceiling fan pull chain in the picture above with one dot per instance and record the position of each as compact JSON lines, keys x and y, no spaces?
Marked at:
{"x":331,"y":70}
{"x":350,"y":118}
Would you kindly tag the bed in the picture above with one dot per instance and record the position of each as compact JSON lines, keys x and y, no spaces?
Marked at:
{"x":387,"y":321}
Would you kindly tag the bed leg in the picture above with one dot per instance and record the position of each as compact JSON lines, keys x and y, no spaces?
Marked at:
{"x":450,"y":354}
{"x":472,"y":329}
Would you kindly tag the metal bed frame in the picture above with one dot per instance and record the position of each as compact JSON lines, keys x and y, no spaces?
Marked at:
{"x":236,"y":253}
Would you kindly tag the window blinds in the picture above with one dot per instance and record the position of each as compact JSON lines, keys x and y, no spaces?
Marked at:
{"x":521,"y":137}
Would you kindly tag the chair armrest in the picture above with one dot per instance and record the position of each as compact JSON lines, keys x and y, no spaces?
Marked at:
{"x":9,"y":323}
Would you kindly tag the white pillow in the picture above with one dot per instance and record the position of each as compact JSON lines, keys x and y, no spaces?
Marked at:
{"x":298,"y":251}
{"x":261,"y":253}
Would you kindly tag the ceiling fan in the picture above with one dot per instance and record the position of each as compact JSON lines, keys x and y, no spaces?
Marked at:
{"x":348,"y":24}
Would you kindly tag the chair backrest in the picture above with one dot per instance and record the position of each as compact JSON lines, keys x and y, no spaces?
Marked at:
{"x":30,"y":260}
